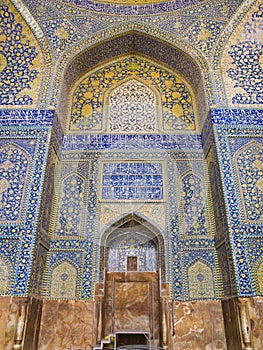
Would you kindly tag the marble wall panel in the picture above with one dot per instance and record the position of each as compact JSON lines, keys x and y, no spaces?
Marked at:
{"x":244,"y":323}
{"x":198,"y":325}
{"x":32,"y":324}
{"x":233,"y":336}
{"x":255,"y":308}
{"x":132,"y":299}
{"x":12,"y":321}
{"x":66,"y":325}
{"x":4,"y":310}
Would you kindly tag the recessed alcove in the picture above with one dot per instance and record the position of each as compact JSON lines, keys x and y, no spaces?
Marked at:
{"x":131,"y":43}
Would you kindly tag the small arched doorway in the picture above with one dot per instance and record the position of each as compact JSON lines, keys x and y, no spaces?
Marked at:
{"x":132,"y":260}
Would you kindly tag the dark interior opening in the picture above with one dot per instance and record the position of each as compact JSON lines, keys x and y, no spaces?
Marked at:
{"x":131,"y":339}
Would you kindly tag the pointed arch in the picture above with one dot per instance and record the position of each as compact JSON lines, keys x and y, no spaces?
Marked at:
{"x":193,"y":214}
{"x":130,"y":42}
{"x":64,"y":278}
{"x":200,"y":279}
{"x":248,"y":161}
{"x":133,"y":226}
{"x":132,"y":100}
{"x":71,"y":197}
{"x":15,"y":165}
{"x":172,"y":99}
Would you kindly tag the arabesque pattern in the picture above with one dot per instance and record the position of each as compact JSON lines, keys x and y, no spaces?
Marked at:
{"x":14,"y":169}
{"x":89,"y":97}
{"x":249,"y":165}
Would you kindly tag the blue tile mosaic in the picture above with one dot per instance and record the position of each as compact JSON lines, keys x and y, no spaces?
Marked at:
{"x":237,"y":116}
{"x":17,"y":55}
{"x":193,"y":27}
{"x":132,"y":181}
{"x":247,"y":67}
{"x":239,"y":151}
{"x":132,"y":9}
{"x":28,"y":117}
{"x":101,"y":142}
{"x":28,"y":143}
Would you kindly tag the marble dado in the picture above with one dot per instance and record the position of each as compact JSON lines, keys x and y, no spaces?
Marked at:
{"x":19,"y":323}
{"x":68,"y":324}
{"x":132,"y":300}
{"x":198,"y":325}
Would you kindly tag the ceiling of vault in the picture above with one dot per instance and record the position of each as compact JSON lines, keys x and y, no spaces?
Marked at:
{"x":70,"y":22}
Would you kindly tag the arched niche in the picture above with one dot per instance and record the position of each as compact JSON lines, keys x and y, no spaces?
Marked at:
{"x":147,"y":94}
{"x":64,"y":280}
{"x":248,"y":162}
{"x":200,"y":280}
{"x":130,"y":43}
{"x":132,"y":237}
{"x":14,"y":171}
{"x":131,"y":107}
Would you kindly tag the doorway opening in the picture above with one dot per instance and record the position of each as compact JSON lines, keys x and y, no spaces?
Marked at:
{"x":132,"y":260}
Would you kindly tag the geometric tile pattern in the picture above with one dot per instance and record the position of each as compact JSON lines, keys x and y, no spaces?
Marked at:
{"x":190,"y":260}
{"x":242,"y":59}
{"x":194,"y":25}
{"x":24,"y":151}
{"x":64,"y":279}
{"x":127,"y":141}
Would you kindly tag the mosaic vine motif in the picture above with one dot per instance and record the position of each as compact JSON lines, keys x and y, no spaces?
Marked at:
{"x":16,"y":61}
{"x":14,"y":166}
{"x":247,"y":59}
{"x":88,"y":97}
{"x":194,"y":219}
{"x":132,"y":108}
{"x":200,"y":279}
{"x":71,"y":205}
{"x":64,"y":281}
{"x":62,"y":33}
{"x":4,"y":275}
{"x":249,"y":164}
{"x":121,"y":249}
{"x":132,"y":181}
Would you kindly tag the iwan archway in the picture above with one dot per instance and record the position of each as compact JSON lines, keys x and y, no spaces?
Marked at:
{"x":132,"y":266}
